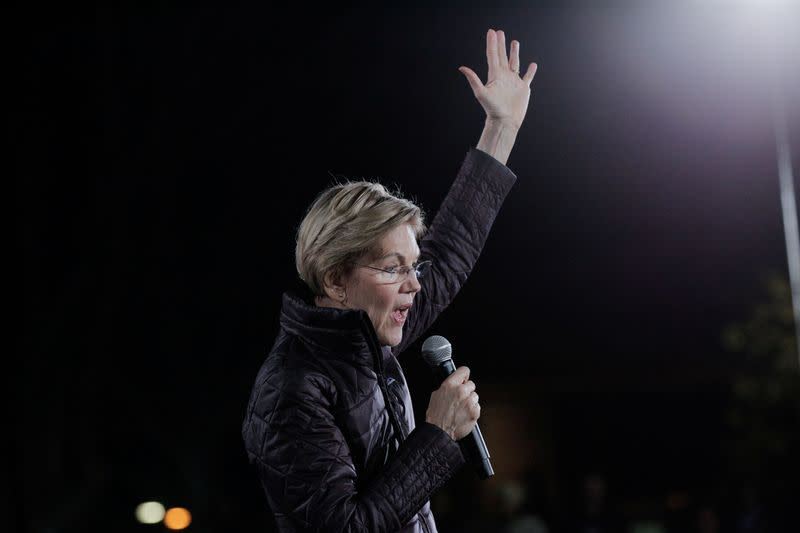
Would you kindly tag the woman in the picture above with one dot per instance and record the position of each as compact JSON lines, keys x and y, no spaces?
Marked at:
{"x":329,"y":425}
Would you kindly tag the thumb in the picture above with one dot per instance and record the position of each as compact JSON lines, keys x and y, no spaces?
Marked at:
{"x":472,"y":78}
{"x":461,"y":375}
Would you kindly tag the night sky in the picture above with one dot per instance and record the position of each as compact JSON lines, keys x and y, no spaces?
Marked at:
{"x":165,"y":157}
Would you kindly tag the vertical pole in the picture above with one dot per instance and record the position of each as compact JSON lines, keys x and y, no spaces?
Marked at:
{"x":775,"y":41}
{"x":788,"y":205}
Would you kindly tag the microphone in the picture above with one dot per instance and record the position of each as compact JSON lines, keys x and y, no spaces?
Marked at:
{"x":438,"y":353}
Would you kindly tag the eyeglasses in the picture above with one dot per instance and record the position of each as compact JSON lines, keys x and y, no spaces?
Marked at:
{"x":401,"y":273}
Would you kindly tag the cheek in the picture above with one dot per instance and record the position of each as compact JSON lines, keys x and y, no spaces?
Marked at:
{"x":382,"y":306}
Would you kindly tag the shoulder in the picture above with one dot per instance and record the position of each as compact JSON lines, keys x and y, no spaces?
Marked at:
{"x":290,"y":390}
{"x":291,"y":372}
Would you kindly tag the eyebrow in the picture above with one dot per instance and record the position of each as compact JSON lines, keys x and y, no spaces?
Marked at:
{"x":400,"y":256}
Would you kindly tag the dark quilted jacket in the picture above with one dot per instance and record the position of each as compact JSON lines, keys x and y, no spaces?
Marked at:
{"x":329,"y":425}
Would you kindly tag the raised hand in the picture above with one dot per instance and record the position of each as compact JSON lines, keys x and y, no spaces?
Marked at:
{"x":505,"y":96}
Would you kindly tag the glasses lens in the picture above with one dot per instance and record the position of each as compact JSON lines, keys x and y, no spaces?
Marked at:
{"x":423,"y":268}
{"x":389,"y":277}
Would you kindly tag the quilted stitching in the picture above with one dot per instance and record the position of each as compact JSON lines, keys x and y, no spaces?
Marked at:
{"x":317,"y":426}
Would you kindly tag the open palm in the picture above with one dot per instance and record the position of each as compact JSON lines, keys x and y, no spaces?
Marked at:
{"x":505,"y":95}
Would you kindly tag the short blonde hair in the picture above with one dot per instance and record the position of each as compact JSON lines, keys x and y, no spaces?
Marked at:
{"x":345,"y":223}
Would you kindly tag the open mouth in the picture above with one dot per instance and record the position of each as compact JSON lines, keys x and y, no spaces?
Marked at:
{"x":400,"y":314}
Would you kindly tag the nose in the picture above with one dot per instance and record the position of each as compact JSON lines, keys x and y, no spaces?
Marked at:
{"x":412,"y":283}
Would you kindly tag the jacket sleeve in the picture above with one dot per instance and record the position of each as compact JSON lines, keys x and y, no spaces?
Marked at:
{"x":456,"y":237}
{"x":307,"y":471}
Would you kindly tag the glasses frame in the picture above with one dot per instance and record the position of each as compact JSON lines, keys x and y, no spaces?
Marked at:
{"x":414,"y":269}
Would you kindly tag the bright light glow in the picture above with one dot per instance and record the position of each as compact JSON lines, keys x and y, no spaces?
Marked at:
{"x":749,"y":4}
{"x":177,"y":518}
{"x":762,"y":3}
{"x":150,"y":512}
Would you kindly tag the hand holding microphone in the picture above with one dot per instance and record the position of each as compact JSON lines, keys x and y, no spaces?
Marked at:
{"x":454,"y":405}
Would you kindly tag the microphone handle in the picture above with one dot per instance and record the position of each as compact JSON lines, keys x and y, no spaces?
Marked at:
{"x":472,"y":446}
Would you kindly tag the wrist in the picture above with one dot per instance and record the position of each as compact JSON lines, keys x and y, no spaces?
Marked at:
{"x":450,"y":432}
{"x":504,"y":124}
{"x":498,"y":138}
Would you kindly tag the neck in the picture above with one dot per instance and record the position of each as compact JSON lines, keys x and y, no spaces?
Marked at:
{"x":325,"y":301}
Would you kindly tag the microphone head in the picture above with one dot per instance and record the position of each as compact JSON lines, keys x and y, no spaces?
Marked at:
{"x":436,"y":350}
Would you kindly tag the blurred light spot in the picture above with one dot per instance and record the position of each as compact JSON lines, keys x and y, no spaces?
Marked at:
{"x":677,"y":500}
{"x":150,"y":512}
{"x":177,"y":518}
{"x":647,"y":527}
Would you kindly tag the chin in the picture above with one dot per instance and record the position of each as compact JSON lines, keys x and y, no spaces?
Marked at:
{"x":391,"y":340}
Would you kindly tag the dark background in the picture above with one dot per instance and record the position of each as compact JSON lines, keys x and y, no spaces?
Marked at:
{"x":165,"y":156}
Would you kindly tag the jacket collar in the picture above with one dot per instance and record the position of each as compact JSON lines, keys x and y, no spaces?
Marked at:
{"x":347,"y":333}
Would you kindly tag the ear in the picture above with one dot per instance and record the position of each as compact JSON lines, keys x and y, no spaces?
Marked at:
{"x":334,"y":287}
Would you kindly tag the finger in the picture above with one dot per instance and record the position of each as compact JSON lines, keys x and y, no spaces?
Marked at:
{"x":474,"y":407}
{"x":528,"y":77}
{"x":501,"y":49}
{"x":473,"y":79}
{"x":491,"y":51}
{"x":469,"y":387}
{"x":459,"y":376}
{"x":513,"y":62}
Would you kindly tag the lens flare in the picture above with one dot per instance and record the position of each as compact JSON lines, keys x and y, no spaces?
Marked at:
{"x":177,"y":518}
{"x":149,"y":512}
